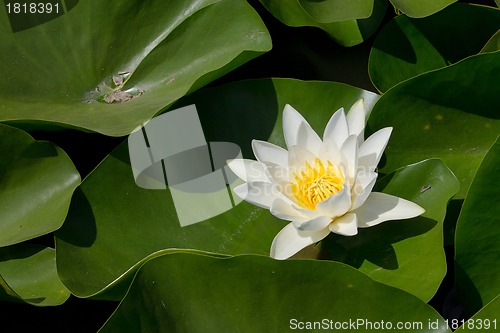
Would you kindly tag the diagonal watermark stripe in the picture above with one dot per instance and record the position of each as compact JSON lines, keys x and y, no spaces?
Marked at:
{"x":171,"y":151}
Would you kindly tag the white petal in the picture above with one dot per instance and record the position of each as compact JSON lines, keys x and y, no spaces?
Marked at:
{"x":336,"y":205}
{"x":290,"y":241}
{"x":280,"y":177}
{"x":356,"y":120}
{"x":248,"y":170}
{"x":268,"y":152}
{"x":277,"y":173}
{"x":336,"y":129}
{"x":297,"y":158}
{"x":315,"y":224}
{"x":349,"y":151}
{"x":330,"y":152}
{"x":380,"y":207}
{"x":362,"y":188}
{"x":291,"y":122}
{"x":308,"y":138}
{"x":285,"y":211}
{"x":346,"y":225}
{"x":371,"y":150}
{"x":258,"y":193}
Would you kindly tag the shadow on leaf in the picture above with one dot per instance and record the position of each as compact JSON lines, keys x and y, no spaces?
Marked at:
{"x":403,"y":49}
{"x":374,"y":244}
{"x":79,"y":228}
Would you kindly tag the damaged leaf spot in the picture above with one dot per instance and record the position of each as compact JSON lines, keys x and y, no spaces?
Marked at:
{"x":425,"y":188}
{"x":111,"y":89}
{"x":117,"y":96}
{"x":120,"y":79}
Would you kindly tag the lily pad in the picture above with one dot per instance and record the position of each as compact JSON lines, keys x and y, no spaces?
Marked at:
{"x":477,"y":238}
{"x":407,"y":47}
{"x":37,"y":180}
{"x":450,"y":113}
{"x":28,"y":273}
{"x":100,"y":242}
{"x":493,"y":44}
{"x":335,"y":10}
{"x":192,"y":293}
{"x":352,"y":25}
{"x":99,"y":248}
{"x":406,"y":254}
{"x":421,"y":8}
{"x":484,"y":320}
{"x":110,"y":66}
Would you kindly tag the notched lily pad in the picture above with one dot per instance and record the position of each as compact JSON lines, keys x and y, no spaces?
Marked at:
{"x":37,"y":180}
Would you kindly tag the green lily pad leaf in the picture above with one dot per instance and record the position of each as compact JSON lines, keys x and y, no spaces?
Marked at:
{"x":387,"y":252}
{"x":37,"y":180}
{"x":449,"y":114}
{"x":408,"y":47}
{"x":352,"y":25}
{"x":485,"y":319}
{"x":328,"y":11}
{"x":497,"y":2}
{"x":334,"y":10}
{"x":477,"y":238}
{"x":28,"y":273}
{"x":239,"y":293}
{"x":493,"y":44}
{"x":421,"y":8}
{"x":110,"y":66}
{"x":99,"y":243}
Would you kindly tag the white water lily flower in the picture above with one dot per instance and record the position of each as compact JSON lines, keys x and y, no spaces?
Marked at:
{"x":320,"y":185}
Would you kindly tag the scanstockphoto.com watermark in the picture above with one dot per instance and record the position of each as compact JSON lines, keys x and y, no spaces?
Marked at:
{"x":382,"y":325}
{"x":358,"y":324}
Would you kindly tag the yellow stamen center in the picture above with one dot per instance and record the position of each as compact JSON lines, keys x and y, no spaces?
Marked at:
{"x":314,"y":184}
